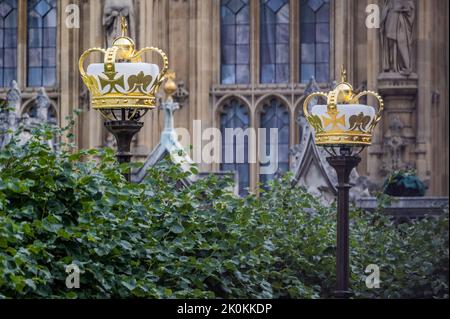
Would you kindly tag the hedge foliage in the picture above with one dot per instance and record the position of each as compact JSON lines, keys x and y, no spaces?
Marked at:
{"x":159,"y":240}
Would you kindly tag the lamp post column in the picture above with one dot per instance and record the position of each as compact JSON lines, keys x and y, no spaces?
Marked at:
{"x":343,"y":164}
{"x":124,"y":131}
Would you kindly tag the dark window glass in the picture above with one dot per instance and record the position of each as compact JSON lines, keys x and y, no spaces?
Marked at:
{"x":235,"y":41}
{"x":315,"y":40}
{"x":8,"y":41}
{"x":274,"y":49}
{"x":41,"y":50}
{"x":234,"y":116}
{"x":275,"y":115}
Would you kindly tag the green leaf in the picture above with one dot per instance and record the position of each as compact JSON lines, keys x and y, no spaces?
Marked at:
{"x":177,"y":229}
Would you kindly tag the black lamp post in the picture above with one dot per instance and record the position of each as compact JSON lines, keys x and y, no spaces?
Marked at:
{"x":344,"y":128}
{"x":124,"y":132}
{"x":123,"y":88}
{"x":343,"y":163}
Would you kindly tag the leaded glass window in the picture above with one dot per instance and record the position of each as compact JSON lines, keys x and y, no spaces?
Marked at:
{"x":315,"y":40}
{"x":41,"y":50}
{"x":275,"y":115}
{"x":274,"y":41}
{"x":235,"y":41}
{"x":234,"y":115}
{"x":8,"y":41}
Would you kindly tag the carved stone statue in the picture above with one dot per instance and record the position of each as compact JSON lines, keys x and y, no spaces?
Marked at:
{"x":395,"y":144}
{"x":42,"y":106}
{"x":14,"y":101}
{"x":397,"y":21}
{"x":112,"y":12}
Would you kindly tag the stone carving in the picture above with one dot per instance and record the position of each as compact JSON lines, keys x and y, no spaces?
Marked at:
{"x":110,"y":141}
{"x":168,"y":144}
{"x":43,"y":114}
{"x":84,"y":98}
{"x":42,"y":106}
{"x":397,"y":22}
{"x":112,"y":11}
{"x":10,"y":113}
{"x":169,"y":109}
{"x":14,"y":97}
{"x":435,"y":97}
{"x":40,"y":111}
{"x":395,"y":144}
{"x":181,"y":94}
{"x":309,"y":165}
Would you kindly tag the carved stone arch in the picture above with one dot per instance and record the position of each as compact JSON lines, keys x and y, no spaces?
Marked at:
{"x":278,"y":106}
{"x":218,"y":109}
{"x":26,"y":106}
{"x":29,"y":104}
{"x":260,"y":101}
{"x":242,"y":170}
{"x":219,"y":104}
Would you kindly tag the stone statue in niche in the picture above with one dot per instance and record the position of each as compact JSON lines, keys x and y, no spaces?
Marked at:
{"x":397,"y":22}
{"x":395,"y":144}
{"x":112,"y":12}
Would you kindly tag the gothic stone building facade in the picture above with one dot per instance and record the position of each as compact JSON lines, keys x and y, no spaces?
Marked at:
{"x":246,"y":63}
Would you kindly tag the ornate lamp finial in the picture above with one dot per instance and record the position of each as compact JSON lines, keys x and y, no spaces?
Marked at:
{"x":343,"y":74}
{"x":170,"y":87}
{"x":124,"y":25}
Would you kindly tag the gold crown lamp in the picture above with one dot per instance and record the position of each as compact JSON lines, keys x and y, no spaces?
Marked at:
{"x":124,"y":88}
{"x":123,"y":82}
{"x":343,"y":121}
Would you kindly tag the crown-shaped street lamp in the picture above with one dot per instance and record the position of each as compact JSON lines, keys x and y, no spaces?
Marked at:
{"x":344,"y":128}
{"x":123,"y":88}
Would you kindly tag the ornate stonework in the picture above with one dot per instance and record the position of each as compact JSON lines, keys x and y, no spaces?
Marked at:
{"x":395,"y":144}
{"x":112,"y":11}
{"x":397,"y":23}
{"x":407,"y":64}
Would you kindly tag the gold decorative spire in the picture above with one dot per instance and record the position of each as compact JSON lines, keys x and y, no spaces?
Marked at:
{"x":343,"y":74}
{"x":124,"y":25}
{"x":170,"y":87}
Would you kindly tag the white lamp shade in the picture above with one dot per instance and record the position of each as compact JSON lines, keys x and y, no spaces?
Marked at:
{"x":127,"y":70}
{"x":347,"y":116}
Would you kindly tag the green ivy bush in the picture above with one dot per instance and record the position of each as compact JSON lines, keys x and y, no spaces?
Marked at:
{"x":157,"y":239}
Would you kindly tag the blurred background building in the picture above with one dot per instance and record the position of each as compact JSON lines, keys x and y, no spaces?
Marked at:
{"x":247,"y":63}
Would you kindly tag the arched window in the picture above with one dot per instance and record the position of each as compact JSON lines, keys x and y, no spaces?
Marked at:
{"x":235,"y":41}
{"x":275,"y":115}
{"x":41,"y":50}
{"x":235,"y":118}
{"x":8,"y":41}
{"x":315,"y":40}
{"x":274,"y":48}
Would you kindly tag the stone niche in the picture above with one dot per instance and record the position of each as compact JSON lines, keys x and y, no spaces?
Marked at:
{"x":398,"y":124}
